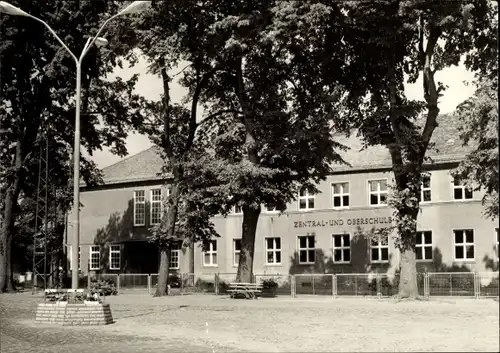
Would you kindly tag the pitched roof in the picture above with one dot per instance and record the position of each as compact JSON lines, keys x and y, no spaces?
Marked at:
{"x":146,"y":165}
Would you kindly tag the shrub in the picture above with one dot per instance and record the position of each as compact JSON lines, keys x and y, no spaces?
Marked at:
{"x":269,"y":283}
{"x":223,"y":287}
{"x":174,"y":280}
{"x":206,"y":286}
{"x":103,"y":287}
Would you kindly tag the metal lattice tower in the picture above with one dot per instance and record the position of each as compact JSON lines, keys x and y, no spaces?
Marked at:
{"x":44,"y":248}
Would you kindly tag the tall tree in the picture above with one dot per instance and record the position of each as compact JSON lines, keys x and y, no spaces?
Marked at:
{"x":478,"y":128}
{"x":389,"y":40}
{"x":37,"y":95}
{"x":171,"y":34}
{"x":273,"y":136}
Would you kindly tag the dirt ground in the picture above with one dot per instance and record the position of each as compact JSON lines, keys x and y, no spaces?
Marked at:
{"x":313,"y":324}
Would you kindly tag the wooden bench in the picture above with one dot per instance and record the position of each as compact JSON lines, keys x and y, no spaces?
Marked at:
{"x":246,"y":290}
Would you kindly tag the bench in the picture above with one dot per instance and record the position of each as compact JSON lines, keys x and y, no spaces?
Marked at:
{"x":246,"y":290}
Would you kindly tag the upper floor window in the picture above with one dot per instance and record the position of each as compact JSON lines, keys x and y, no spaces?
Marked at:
{"x":139,"y":208}
{"x":307,"y":249}
{"x":464,"y":244}
{"x":460,"y":191}
{"x":306,"y":200}
{"x":425,"y":191}
{"x":237,"y":210}
{"x":340,"y":195}
{"x":270,"y":209}
{"x":210,"y":255}
{"x":423,"y":246}
{"x":378,"y":192}
{"x":156,"y":206}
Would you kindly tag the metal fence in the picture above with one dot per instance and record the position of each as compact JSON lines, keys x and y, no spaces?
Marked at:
{"x":430,"y":284}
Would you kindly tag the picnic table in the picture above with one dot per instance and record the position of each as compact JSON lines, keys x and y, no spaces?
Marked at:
{"x":245,"y":290}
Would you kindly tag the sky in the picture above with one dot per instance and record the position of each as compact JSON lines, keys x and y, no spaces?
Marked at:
{"x":150,"y":87}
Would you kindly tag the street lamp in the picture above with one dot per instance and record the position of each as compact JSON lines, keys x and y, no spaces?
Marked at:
{"x":134,"y":7}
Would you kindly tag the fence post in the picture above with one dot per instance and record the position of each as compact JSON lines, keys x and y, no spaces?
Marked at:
{"x":216,"y":284}
{"x":451,"y":285}
{"x":313,"y":284}
{"x":118,"y":284}
{"x":182,"y":282}
{"x":426,"y":284}
{"x":378,"y":285}
{"x":149,"y":284}
{"x":88,"y":281}
{"x":334,"y":286}
{"x":477,"y":285}
{"x":292,"y":286}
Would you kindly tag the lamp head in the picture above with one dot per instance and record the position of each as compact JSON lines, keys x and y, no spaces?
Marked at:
{"x":9,"y":9}
{"x":101,"y":42}
{"x":134,"y":7}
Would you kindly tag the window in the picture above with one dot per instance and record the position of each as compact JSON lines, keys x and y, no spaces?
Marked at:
{"x":425,"y":191}
{"x":341,"y":248}
{"x":210,"y":256}
{"x":340,"y":193}
{"x":95,"y":257}
{"x":175,"y":254}
{"x":156,"y":206}
{"x":236,"y":251}
{"x":270,"y":209}
{"x":378,"y":192}
{"x":114,"y":257}
{"x":423,"y":246}
{"x":379,"y":248}
{"x":464,"y":244}
{"x":70,"y":251}
{"x":273,"y":251}
{"x":306,"y":249}
{"x":461,"y":192}
{"x":139,"y":208}
{"x":237,"y":210}
{"x":306,"y":201}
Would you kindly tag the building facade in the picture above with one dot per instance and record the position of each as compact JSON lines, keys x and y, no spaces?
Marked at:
{"x":334,"y":231}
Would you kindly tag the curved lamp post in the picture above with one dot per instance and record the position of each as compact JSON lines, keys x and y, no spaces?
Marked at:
{"x":134,"y":7}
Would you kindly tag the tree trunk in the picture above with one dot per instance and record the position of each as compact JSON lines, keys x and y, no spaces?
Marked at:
{"x":408,"y":287}
{"x":162,"y":286}
{"x":6,"y":234}
{"x":249,"y":228}
{"x":172,"y":204}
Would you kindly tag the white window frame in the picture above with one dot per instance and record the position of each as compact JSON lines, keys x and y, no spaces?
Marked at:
{"x":424,"y":245}
{"x":136,"y":202}
{"x":211,"y":252}
{"x":71,"y":257}
{"x":154,"y":202}
{"x":424,"y":189}
{"x":236,"y":252}
{"x":307,"y":197}
{"x":175,"y":250}
{"x":378,"y":247}
{"x":464,"y":245}
{"x":114,"y":251}
{"x":341,"y":195}
{"x":93,"y":251}
{"x":234,"y":210}
{"x":463,"y":188}
{"x":307,"y":249}
{"x":342,"y":247}
{"x":267,"y":210}
{"x":274,"y":250}
{"x":378,"y":192}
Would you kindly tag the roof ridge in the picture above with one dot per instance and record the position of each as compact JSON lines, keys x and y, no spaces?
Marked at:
{"x":124,"y":159}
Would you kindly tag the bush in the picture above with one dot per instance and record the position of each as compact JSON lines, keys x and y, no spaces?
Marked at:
{"x":103,"y":286}
{"x":269,"y":284}
{"x":205,"y":286}
{"x":223,"y":287}
{"x":174,"y":280}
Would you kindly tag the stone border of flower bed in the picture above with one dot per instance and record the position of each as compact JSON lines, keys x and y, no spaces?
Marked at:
{"x":81,"y":310}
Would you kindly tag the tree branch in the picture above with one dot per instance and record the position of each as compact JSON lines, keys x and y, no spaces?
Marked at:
{"x":219,"y":113}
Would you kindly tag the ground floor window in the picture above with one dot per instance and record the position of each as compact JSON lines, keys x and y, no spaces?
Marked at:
{"x":307,"y":249}
{"x":423,"y":246}
{"x":175,"y":254}
{"x":464,"y":244}
{"x":379,"y":249}
{"x":341,"y":248}
{"x":210,"y":256}
{"x":95,"y":257}
{"x":273,"y":251}
{"x":236,"y":251}
{"x":114,"y":257}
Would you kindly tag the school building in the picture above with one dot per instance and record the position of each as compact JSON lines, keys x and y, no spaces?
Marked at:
{"x":325,"y":233}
